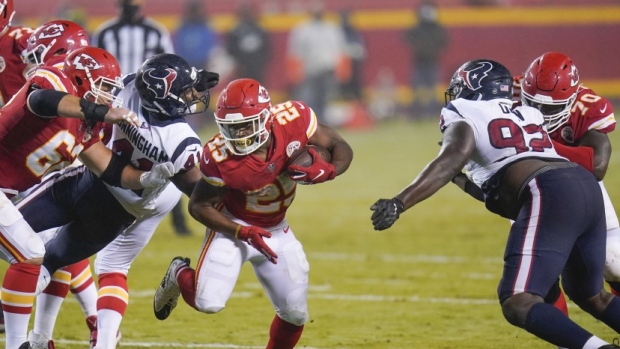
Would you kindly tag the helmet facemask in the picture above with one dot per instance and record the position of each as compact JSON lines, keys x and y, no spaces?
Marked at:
{"x":454,"y":89}
{"x":555,"y":112}
{"x":104,"y":90}
{"x":244,"y":134}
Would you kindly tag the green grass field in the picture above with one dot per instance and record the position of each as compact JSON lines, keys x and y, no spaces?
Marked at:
{"x":428,"y":282}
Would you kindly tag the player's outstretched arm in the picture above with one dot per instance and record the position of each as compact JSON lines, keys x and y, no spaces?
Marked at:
{"x":458,"y":144}
{"x":52,"y":103}
{"x":118,"y":172}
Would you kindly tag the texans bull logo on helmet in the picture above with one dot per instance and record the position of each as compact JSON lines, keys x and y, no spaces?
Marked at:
{"x":160,"y":85}
{"x":473,"y":77}
{"x":84,"y":61}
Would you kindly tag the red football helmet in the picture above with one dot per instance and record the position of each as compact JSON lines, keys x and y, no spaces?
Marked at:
{"x":53,"y":38}
{"x":96,"y":74}
{"x":7,"y":11}
{"x":242,"y":114}
{"x":550,"y":84}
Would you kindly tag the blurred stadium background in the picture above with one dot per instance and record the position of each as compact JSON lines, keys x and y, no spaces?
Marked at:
{"x":513,"y":32}
{"x":430,"y":281}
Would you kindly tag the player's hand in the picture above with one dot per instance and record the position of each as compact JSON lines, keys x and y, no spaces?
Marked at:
{"x":206,"y":80}
{"x":157,"y":176}
{"x":386,"y":212}
{"x":319,"y":172}
{"x":121,"y":115}
{"x":254,"y":237}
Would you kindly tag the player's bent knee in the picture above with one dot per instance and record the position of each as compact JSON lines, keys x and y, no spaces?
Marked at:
{"x":295,"y":317}
{"x":209,"y":309}
{"x":35,"y":249}
{"x":612,"y":261}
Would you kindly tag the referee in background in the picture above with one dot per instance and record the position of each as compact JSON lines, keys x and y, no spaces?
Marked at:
{"x":133,"y":38}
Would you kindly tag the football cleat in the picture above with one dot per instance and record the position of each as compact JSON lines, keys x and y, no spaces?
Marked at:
{"x":38,"y":341}
{"x":91,"y":322}
{"x":168,"y":292}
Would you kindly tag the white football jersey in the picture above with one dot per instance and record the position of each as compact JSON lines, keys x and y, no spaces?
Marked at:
{"x":502,"y":134}
{"x":155,"y":141}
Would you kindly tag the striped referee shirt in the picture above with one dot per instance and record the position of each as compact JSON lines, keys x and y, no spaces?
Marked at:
{"x":133,"y":43}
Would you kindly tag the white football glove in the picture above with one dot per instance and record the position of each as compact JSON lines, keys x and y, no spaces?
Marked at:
{"x":157,"y":176}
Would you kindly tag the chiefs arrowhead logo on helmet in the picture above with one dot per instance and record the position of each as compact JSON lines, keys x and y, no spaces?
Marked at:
{"x":473,"y":77}
{"x":84,"y":61}
{"x":574,"y":76}
{"x":263,"y":95}
{"x":160,"y":85}
{"x":52,"y":31}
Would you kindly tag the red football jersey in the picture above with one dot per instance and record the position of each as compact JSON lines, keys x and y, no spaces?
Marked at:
{"x":260,"y":191}
{"x":12,"y":43}
{"x":589,"y":111}
{"x":33,"y":145}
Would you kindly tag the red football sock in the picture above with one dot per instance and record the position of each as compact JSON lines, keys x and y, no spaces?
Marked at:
{"x":283,"y":335}
{"x":19,"y":285}
{"x":113,"y":294}
{"x":560,"y":303}
{"x":81,"y":277}
{"x":186,"y":278}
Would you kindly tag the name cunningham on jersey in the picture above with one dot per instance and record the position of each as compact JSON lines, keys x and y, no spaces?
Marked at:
{"x":142,"y":144}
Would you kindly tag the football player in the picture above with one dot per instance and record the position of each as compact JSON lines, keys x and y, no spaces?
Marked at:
{"x":556,"y":205}
{"x":243,"y":197}
{"x":91,"y":71}
{"x":31,"y":134}
{"x":578,"y":121}
{"x":163,"y":91}
{"x":13,"y":42}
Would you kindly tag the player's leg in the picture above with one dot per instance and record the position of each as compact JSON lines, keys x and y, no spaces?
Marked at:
{"x":112,"y":266}
{"x":83,"y":288}
{"x":538,"y":248}
{"x":24,"y":250}
{"x":582,"y":280}
{"x":612,"y":260}
{"x":208,"y":287}
{"x":286,"y":284}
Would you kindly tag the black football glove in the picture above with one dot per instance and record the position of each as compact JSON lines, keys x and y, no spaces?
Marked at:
{"x":206,"y":80}
{"x":386,"y":212}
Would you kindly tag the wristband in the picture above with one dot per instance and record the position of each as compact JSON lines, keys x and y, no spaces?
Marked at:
{"x":93,"y":111}
{"x":237,"y":231}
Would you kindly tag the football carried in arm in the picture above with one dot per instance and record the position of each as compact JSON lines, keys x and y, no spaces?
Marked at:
{"x":301,"y":157}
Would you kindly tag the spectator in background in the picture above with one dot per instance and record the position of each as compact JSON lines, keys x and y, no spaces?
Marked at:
{"x":355,"y":49}
{"x":316,"y":51}
{"x":133,"y":38}
{"x":194,"y":39}
{"x":248,"y":43}
{"x":427,"y":39}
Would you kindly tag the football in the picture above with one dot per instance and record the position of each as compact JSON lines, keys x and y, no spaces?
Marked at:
{"x":302,"y":158}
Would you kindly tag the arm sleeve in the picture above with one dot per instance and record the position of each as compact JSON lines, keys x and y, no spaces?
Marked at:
{"x":44,"y":102}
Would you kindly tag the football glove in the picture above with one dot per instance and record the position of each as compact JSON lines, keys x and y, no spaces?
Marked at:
{"x":206,"y":80}
{"x":157,"y":176}
{"x":319,"y":172}
{"x":254,"y":237}
{"x":386,"y":212}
